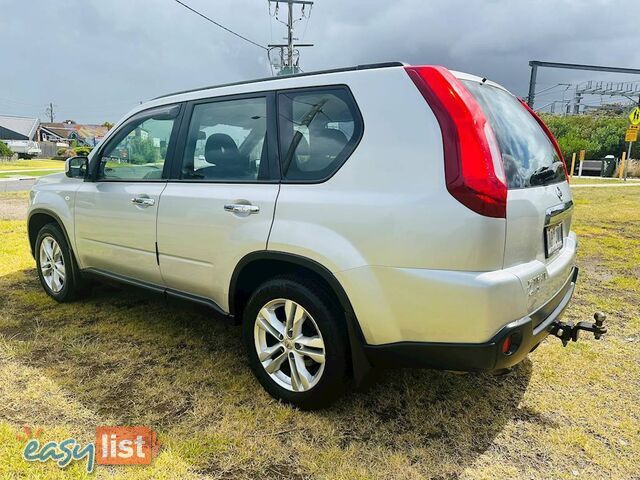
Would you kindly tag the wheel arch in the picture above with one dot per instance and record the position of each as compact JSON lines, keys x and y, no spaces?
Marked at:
{"x":259,"y":266}
{"x":40,"y":217}
{"x":256,"y":267}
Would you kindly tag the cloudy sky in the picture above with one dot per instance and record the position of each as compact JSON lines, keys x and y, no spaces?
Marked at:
{"x":95,"y":59}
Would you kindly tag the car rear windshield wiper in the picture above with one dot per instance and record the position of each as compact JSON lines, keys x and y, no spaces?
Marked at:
{"x":542,"y":174}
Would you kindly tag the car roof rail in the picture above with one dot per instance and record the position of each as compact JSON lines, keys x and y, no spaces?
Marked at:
{"x":368,"y":66}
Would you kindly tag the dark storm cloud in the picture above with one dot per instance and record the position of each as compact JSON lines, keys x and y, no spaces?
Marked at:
{"x":96,"y":59}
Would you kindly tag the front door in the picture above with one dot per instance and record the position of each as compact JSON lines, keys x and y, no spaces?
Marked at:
{"x":115,"y":215}
{"x":219,"y":204}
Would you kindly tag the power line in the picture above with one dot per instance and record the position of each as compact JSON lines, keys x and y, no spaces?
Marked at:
{"x":551,"y":88}
{"x":221,"y":26}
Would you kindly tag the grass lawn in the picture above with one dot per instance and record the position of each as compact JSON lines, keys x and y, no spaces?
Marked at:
{"x":599,"y":180}
{"x":32,"y":164}
{"x":123,"y":357}
{"x":28,"y":173}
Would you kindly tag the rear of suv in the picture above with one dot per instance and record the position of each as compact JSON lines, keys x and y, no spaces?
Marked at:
{"x":382,"y":215}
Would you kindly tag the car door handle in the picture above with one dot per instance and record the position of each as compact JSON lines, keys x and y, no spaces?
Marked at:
{"x":241,"y":209}
{"x":143,"y":201}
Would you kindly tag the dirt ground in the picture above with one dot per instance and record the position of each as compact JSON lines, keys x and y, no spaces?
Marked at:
{"x":13,"y":206}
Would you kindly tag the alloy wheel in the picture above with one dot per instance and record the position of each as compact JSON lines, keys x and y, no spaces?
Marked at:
{"x":289,"y":345}
{"x":52,"y":265}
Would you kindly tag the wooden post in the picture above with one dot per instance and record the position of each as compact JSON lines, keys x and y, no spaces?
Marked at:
{"x":581,"y":158}
{"x":573,"y":164}
{"x":624,"y":154}
{"x":628,"y":161}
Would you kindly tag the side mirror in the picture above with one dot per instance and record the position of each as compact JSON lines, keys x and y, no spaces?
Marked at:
{"x":76,"y":167}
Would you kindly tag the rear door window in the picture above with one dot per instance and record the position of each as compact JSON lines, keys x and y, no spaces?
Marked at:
{"x":226,"y":142}
{"x":528,"y":155}
{"x":319,"y":128}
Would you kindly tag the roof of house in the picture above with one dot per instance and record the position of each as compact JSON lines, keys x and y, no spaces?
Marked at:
{"x":64,"y":129}
{"x":25,"y":126}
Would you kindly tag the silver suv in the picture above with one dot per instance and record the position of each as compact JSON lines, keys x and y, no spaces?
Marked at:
{"x":382,"y":215}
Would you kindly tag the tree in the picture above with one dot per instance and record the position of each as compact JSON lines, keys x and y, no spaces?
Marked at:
{"x":597,"y":134}
{"x":5,"y":151}
{"x":142,"y":150}
{"x":108,"y":125}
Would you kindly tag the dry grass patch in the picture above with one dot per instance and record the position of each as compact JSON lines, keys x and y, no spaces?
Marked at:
{"x":599,"y":180}
{"x":31,"y":164}
{"x":13,"y":205}
{"x":126,"y":357}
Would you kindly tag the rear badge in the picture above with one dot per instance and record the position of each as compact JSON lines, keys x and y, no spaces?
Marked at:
{"x":559,"y":193}
{"x":534,"y":284}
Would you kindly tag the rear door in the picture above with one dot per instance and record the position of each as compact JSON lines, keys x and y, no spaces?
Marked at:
{"x":115,"y":214}
{"x":539,"y":205}
{"x":220,"y":201}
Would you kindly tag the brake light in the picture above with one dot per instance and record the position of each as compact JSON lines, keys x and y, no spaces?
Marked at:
{"x":549,"y":134}
{"x":473,"y":165}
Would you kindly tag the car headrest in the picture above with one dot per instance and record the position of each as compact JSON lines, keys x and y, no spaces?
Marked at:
{"x":221,"y":151}
{"x":331,"y":135}
{"x":326,"y":144}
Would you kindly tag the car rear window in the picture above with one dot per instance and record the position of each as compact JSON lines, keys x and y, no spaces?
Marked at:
{"x":319,"y":128}
{"x":528,"y":156}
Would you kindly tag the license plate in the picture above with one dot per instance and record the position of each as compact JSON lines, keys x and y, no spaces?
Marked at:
{"x":553,"y":239}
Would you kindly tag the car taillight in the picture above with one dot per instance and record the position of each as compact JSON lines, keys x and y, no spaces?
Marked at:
{"x":550,"y":135}
{"x":473,"y":164}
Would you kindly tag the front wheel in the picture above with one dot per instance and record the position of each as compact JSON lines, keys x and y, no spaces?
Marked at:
{"x":57,"y":270}
{"x":296,"y":341}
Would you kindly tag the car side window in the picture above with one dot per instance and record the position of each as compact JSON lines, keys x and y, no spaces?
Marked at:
{"x":138,"y":152}
{"x":226,"y":141}
{"x":319,"y":129}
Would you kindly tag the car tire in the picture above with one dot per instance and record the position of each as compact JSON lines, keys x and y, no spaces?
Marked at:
{"x":57,"y":269}
{"x":313,"y":372}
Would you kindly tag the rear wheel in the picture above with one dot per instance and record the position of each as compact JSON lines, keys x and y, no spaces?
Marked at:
{"x":296,"y":342}
{"x":57,"y":270}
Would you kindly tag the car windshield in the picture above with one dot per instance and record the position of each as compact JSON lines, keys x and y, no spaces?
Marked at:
{"x":528,"y":155}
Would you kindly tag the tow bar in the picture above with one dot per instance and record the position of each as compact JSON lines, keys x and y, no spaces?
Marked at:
{"x":569,"y":331}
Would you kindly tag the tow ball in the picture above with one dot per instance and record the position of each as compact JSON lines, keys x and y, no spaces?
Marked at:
{"x":568,"y":331}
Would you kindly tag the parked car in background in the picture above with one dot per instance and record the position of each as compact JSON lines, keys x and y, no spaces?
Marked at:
{"x":382,"y":215}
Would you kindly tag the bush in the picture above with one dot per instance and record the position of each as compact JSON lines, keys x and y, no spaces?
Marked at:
{"x":5,"y":151}
{"x":597,"y":134}
{"x":82,"y":151}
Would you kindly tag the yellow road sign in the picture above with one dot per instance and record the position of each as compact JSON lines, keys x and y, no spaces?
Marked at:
{"x":634,"y":116}
{"x":582,"y":153}
{"x":634,"y":127}
{"x":631,"y":135}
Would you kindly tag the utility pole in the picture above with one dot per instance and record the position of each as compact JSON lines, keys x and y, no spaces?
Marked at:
{"x":50,"y":113}
{"x":289,"y":64}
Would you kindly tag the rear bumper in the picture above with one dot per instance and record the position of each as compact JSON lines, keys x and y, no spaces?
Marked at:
{"x":526,"y":333}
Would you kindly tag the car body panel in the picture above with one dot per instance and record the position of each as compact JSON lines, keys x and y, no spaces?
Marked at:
{"x":55,"y":194}
{"x":400,"y":214}
{"x":426,"y":305}
{"x":200,"y":244}
{"x":115,"y":235}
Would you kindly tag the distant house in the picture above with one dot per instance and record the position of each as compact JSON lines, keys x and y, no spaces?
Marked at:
{"x":68,"y":131}
{"x":18,"y":128}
